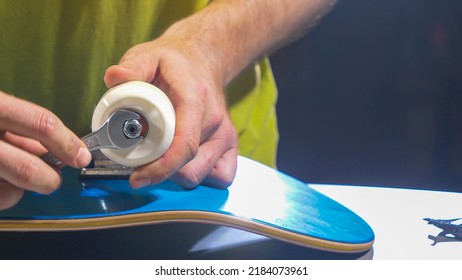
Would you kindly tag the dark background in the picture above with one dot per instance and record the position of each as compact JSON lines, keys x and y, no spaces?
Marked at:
{"x":373,"y":96}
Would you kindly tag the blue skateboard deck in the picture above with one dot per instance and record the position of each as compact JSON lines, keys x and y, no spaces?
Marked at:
{"x":260,"y":200}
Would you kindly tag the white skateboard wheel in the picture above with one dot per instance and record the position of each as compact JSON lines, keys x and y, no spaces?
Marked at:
{"x":148,"y":101}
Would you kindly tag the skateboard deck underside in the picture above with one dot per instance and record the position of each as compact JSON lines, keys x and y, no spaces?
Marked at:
{"x":260,"y":200}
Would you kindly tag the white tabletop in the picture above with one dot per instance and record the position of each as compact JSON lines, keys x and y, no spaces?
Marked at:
{"x":396,"y":216}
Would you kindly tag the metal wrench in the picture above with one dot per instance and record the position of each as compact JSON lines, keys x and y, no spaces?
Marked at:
{"x":123,"y":129}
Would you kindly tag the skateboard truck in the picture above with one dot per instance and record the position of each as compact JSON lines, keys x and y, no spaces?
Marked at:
{"x":103,"y":168}
{"x":123,"y":130}
{"x":121,"y":140}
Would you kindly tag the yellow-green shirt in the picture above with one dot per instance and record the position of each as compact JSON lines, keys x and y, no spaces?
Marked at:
{"x":55,"y":52}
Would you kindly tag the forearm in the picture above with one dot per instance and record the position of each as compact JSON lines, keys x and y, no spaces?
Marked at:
{"x":230,"y":34}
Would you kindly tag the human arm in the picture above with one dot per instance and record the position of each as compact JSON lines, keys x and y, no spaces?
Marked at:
{"x":192,"y":62}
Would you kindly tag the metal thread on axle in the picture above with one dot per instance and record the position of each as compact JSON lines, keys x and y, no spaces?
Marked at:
{"x":132,"y":129}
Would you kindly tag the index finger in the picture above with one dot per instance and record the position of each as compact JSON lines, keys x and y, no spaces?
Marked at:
{"x":27,"y":119}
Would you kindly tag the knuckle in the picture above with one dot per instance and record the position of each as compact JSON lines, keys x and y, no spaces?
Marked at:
{"x":191,"y":148}
{"x":231,"y":133}
{"x":27,"y":172}
{"x":45,"y":122}
{"x":216,"y":119}
{"x":164,"y":175}
{"x":189,"y":178}
{"x":28,"y":175}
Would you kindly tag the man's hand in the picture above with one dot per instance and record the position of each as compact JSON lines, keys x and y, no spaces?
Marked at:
{"x":204,"y":148}
{"x":26,"y":132}
{"x":192,"y":62}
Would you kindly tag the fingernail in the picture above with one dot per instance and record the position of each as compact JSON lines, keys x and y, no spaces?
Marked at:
{"x":140,"y":182}
{"x":83,"y":157}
